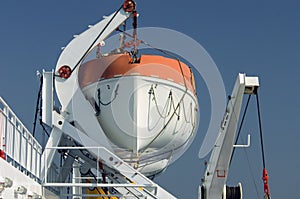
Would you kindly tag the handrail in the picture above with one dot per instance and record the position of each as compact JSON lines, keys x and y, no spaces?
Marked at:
{"x":20,"y":148}
{"x":17,"y":119}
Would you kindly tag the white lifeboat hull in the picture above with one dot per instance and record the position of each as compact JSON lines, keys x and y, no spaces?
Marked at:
{"x":147,"y":111}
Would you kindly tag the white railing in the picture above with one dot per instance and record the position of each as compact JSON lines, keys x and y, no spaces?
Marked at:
{"x":20,"y":148}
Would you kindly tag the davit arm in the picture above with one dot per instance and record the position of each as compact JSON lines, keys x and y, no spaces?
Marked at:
{"x":218,"y":165}
{"x":74,"y":106}
{"x":75,"y":52}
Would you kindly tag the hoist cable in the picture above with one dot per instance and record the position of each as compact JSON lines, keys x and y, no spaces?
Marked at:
{"x":260,"y":131}
{"x":265,"y":173}
{"x":240,"y":127}
{"x":37,"y":105}
{"x":38,"y":109}
{"x":265,"y":177}
{"x":99,"y":35}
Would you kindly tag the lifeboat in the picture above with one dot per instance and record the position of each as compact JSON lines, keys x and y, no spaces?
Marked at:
{"x":146,"y":107}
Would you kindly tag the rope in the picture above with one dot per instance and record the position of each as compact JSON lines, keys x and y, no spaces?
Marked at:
{"x":191,"y":116}
{"x":108,"y":103}
{"x":172,"y":105}
{"x":174,"y":108}
{"x":151,"y":92}
{"x":181,"y":99}
{"x":174,"y":149}
{"x":165,"y":126}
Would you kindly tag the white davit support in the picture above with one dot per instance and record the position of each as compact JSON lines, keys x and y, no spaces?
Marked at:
{"x":47,"y":97}
{"x":217,"y":169}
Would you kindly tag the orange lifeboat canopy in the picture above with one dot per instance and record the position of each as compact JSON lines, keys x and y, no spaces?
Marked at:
{"x":118,"y":65}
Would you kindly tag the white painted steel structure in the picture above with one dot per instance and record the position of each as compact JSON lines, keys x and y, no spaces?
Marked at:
{"x":47,"y":97}
{"x":22,"y":155}
{"x":76,"y":123}
{"x":96,"y":148}
{"x":217,"y":169}
{"x":215,"y":175}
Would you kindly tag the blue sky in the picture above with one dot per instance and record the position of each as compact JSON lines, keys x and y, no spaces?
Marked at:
{"x":256,"y":37}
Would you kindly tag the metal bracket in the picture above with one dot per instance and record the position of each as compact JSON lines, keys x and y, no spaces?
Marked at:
{"x":245,"y":145}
